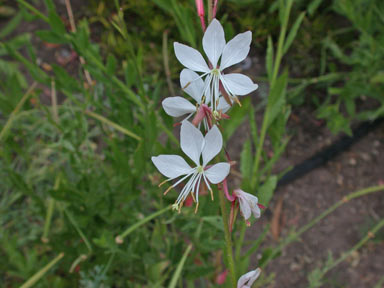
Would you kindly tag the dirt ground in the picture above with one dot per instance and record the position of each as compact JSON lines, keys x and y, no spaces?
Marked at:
{"x":359,"y":167}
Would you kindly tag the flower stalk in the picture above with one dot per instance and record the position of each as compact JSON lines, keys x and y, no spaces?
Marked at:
{"x":228,"y":239}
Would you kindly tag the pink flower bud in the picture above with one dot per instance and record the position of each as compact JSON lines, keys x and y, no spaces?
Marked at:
{"x":220,"y":279}
{"x":200,"y":12}
{"x":200,"y":7}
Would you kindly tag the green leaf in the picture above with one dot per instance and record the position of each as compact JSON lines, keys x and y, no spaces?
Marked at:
{"x":292,"y":34}
{"x":266,"y":190}
{"x":111,"y":64}
{"x":246,"y":161}
{"x":50,"y":37}
{"x":276,"y":99}
{"x":253,"y":125}
{"x":56,"y":24}
{"x":312,"y":7}
{"x":277,"y":128}
{"x":269,"y":58}
{"x":50,"y":5}
{"x":378,"y":78}
{"x":11,"y":25}
{"x":16,"y":43}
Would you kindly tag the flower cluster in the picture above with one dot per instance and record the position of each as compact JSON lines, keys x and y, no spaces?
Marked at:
{"x":213,"y":92}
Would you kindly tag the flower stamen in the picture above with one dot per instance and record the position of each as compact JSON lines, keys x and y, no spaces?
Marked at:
{"x":197,"y":207}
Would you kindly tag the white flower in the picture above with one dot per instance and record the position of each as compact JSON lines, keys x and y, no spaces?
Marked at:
{"x":194,"y":87}
{"x":248,"y":204}
{"x":248,"y":279}
{"x":231,"y":53}
{"x":195,"y":146}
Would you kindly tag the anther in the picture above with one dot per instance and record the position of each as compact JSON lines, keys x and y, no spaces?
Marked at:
{"x":197,"y":207}
{"x":186,"y":85}
{"x":237,"y":100}
{"x":180,"y":206}
{"x":210,"y":190}
{"x":162,"y":183}
{"x":166,"y":191}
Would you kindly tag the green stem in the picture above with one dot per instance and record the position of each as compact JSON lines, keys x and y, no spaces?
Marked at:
{"x":34,"y":10}
{"x":296,"y":235}
{"x":120,"y":238}
{"x":210,"y":4}
{"x":32,"y":281}
{"x":277,"y":62}
{"x":48,"y":220}
{"x":344,"y":256}
{"x":82,"y":235}
{"x":228,"y":240}
{"x":240,"y":241}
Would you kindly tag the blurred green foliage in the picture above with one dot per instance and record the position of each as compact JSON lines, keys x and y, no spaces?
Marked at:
{"x":83,"y":149}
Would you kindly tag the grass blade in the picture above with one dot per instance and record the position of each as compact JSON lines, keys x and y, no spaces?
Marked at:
{"x":7,"y":125}
{"x":292,"y":34}
{"x":120,"y":238}
{"x":112,"y":124}
{"x":179,"y":268}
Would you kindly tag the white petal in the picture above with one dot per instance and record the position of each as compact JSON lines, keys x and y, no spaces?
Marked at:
{"x":223,"y":105}
{"x":171,"y":166}
{"x":212,"y":144}
{"x":190,"y":58}
{"x":244,"y":279}
{"x":214,"y":41}
{"x":252,"y":201}
{"x":256,"y":274}
{"x":239,"y":84}
{"x":236,"y":50}
{"x":195,"y":85}
{"x":245,"y":208}
{"x":191,"y":141}
{"x":248,"y":278}
{"x":177,"y":106}
{"x":217,"y":172}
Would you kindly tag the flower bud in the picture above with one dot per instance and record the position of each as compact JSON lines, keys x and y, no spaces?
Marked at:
{"x":200,"y":7}
{"x":248,"y":279}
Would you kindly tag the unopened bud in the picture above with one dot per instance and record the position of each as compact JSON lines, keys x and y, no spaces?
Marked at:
{"x":119,"y":240}
{"x":200,"y":7}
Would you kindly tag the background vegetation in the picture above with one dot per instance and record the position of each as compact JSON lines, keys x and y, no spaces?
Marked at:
{"x":76,"y":140}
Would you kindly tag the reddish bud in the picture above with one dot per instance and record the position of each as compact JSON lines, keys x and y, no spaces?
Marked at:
{"x":200,"y":7}
{"x":220,"y":279}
